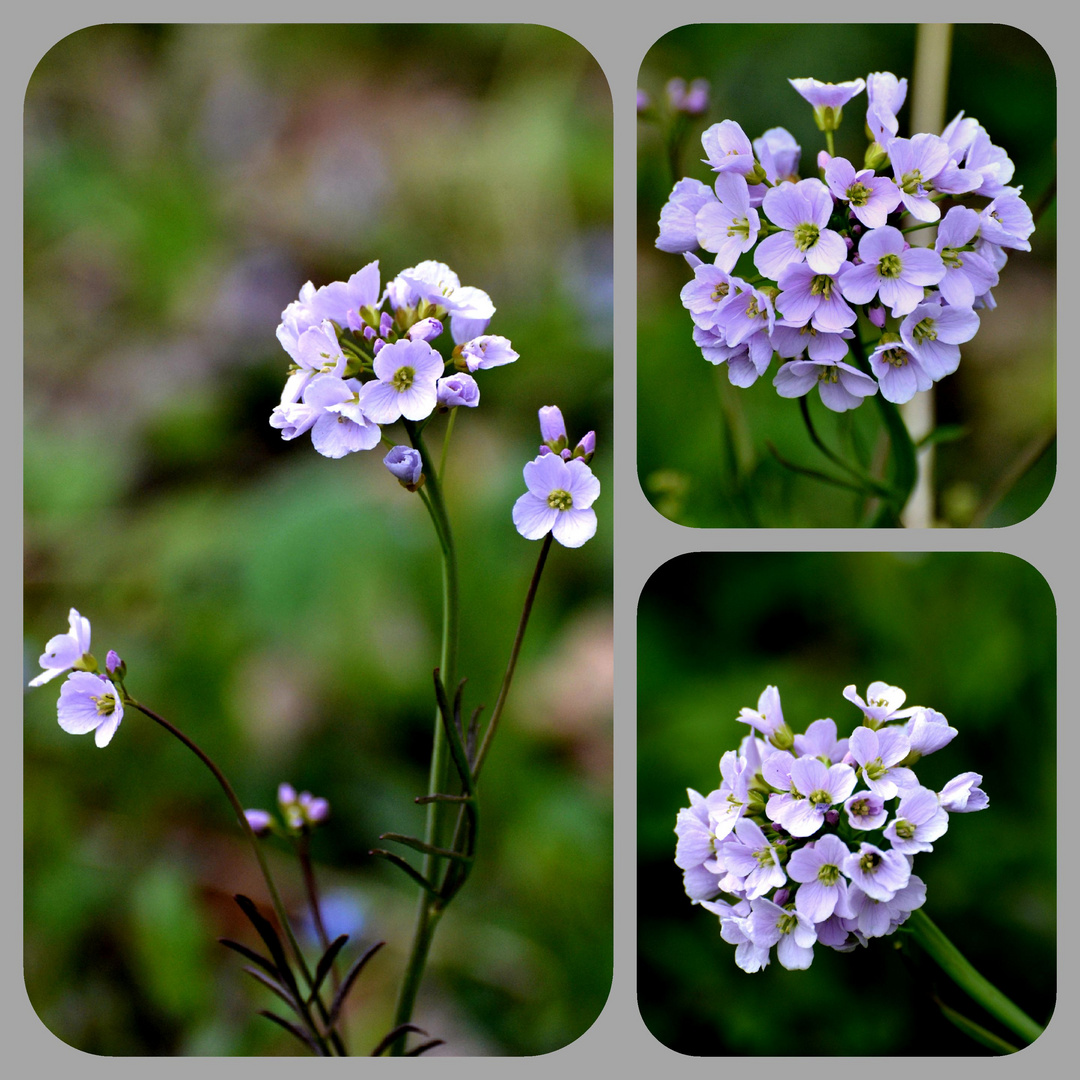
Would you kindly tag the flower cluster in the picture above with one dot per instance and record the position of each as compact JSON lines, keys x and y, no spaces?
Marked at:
{"x":810,"y":838}
{"x":362,"y":357}
{"x":562,"y":487}
{"x":832,"y":247}
{"x":300,"y":812}
{"x":89,"y":701}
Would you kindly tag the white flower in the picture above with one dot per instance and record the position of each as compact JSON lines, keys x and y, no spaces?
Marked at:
{"x":559,"y":501}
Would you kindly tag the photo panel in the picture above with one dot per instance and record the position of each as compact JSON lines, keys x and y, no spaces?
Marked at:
{"x":318,"y":423}
{"x":846,"y":275}
{"x":884,"y":726}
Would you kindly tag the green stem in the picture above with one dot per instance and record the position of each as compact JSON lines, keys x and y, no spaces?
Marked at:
{"x":873,"y":486}
{"x":241,"y":817}
{"x":512,"y":664}
{"x":429,"y":908}
{"x":949,"y":958}
{"x":303,"y":852}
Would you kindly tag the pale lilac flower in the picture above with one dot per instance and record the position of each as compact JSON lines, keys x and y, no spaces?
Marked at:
{"x":343,"y":426}
{"x":840,"y":386}
{"x":317,"y":351}
{"x":871,"y":198}
{"x":710,"y":293}
{"x":779,"y":154}
{"x":817,"y":867}
{"x":968,"y":274}
{"x":487,"y":351}
{"x":916,"y":163}
{"x":891,"y":269}
{"x":406,"y":375}
{"x":992,"y":164}
{"x":64,"y":650}
{"x":821,"y":346}
{"x":424,"y":330}
{"x":750,"y":312}
{"x":919,"y":820}
{"x":865,"y":811}
{"x":728,"y":225}
{"x":735,"y":930}
{"x":791,"y":932}
{"x":885,"y":95}
{"x":347,"y":302}
{"x":260,"y":821}
{"x":678,"y":231}
{"x":470,"y":309}
{"x":820,"y":741}
{"x":727,"y":148}
{"x":962,"y":795}
{"x":809,"y":297}
{"x":828,"y":99}
{"x":768,"y":717}
{"x":899,"y":374}
{"x":802,"y":212}
{"x":90,"y":702}
{"x":880,"y":874}
{"x":1007,"y":222}
{"x":927,"y":731}
{"x":878,"y":754}
{"x":459,"y":389}
{"x":883,"y":702}
{"x":405,"y":464}
{"x":752,"y":859}
{"x":559,"y":501}
{"x":934,"y":334}
{"x":690,"y":100}
{"x":294,"y":418}
{"x":815,"y":788}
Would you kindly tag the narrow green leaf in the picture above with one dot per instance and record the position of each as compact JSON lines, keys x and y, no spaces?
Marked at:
{"x":347,"y":983}
{"x":326,"y":962}
{"x":398,"y":861}
{"x":266,"y":931}
{"x":976,"y":1031}
{"x":293,"y":1029}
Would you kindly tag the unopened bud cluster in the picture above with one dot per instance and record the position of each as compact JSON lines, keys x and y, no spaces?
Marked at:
{"x":811,"y":839}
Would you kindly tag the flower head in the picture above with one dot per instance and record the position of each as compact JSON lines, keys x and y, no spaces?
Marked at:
{"x":406,"y":374}
{"x":90,"y":702}
{"x":559,"y":501}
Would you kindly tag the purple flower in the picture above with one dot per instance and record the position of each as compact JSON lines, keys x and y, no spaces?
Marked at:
{"x":885,"y":94}
{"x":458,"y":389}
{"x":791,"y":932}
{"x":962,"y":795}
{"x":916,"y":163}
{"x":815,"y":787}
{"x":899,"y":374}
{"x":927,"y":731}
{"x":728,"y":225}
{"x":968,"y":274}
{"x":752,"y":859}
{"x":559,"y":501}
{"x":424,"y":330}
{"x":878,"y":754}
{"x":348,"y":302}
{"x":817,"y":867}
{"x":692,"y":100}
{"x":873,"y":917}
{"x":64,"y":650}
{"x":779,"y":154}
{"x":727,"y":148}
{"x":343,"y":426}
{"x":865,"y":811}
{"x":768,"y":718}
{"x":487,"y":351}
{"x":89,"y":702}
{"x":114,"y":665}
{"x":406,"y":374}
{"x":880,"y":874}
{"x":871,"y":198}
{"x":802,"y":212}
{"x":820,"y":741}
{"x":808,"y":297}
{"x":828,"y":99}
{"x":316,"y":352}
{"x":934,"y":334}
{"x":883,"y":702}
{"x":678,"y":232}
{"x":708,"y":296}
{"x":919,"y":820}
{"x":892,"y":270}
{"x":552,"y":428}
{"x":260,"y":821}
{"x":1007,"y":222}
{"x":840,"y":385}
{"x":405,"y":463}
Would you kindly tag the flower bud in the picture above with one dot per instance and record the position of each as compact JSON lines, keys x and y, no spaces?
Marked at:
{"x":405,"y":464}
{"x":552,"y":428}
{"x":875,"y":157}
{"x":313,"y":809}
{"x":260,"y":821}
{"x":586,"y":447}
{"x":456,"y":390}
{"x":115,"y":666}
{"x":424,"y":330}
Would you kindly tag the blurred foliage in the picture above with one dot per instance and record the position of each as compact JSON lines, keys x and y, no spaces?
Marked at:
{"x":703,"y":458}
{"x":971,"y":635}
{"x":182,"y":183}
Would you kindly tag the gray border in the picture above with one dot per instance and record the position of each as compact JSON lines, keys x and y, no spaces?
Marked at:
{"x":619,"y":40}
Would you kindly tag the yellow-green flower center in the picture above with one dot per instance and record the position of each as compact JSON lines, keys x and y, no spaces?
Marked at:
{"x":904,"y":829}
{"x":951,"y":258}
{"x":896,"y":357}
{"x":820,"y":796}
{"x":870,"y":861}
{"x":560,"y":500}
{"x":828,"y":874}
{"x":829,"y":374}
{"x":806,"y":235}
{"x":925,"y":330}
{"x":821,"y":285}
{"x":858,"y":194}
{"x":739,"y":227}
{"x":911,"y":182}
{"x":875,"y":770}
{"x":890,"y":266}
{"x":106,"y":704}
{"x":721,"y":290}
{"x":403,"y":378}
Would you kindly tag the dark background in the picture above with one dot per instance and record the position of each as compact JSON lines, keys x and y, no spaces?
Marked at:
{"x":971,"y":635}
{"x":1003,"y":394}
{"x":182,"y":183}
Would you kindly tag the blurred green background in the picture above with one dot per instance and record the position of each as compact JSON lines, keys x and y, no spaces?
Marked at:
{"x":702,"y":453}
{"x":971,"y":635}
{"x":182,"y":183}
